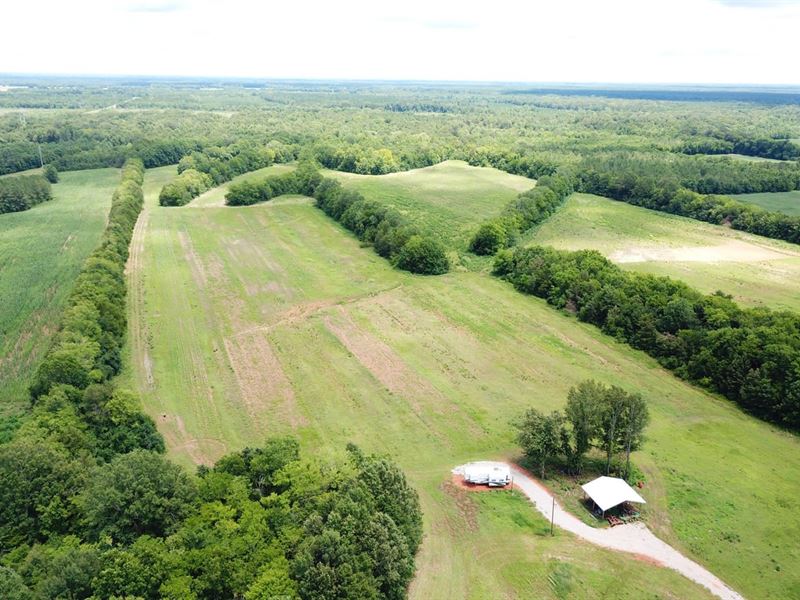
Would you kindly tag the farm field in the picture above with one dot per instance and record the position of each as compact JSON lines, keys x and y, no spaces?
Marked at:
{"x":216,"y":195}
{"x":757,"y":271}
{"x":246,"y":322}
{"x":41,"y":252}
{"x":785,"y":202}
{"x":449,"y":199}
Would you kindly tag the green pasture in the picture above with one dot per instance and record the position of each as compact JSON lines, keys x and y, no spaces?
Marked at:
{"x":247,"y":322}
{"x":448,"y":200}
{"x":785,"y":202}
{"x":41,"y":252}
{"x":757,"y":271}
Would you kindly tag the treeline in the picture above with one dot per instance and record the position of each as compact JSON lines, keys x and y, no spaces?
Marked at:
{"x":222,"y":164}
{"x":384,"y":228}
{"x":263,"y":523}
{"x":184,"y":188}
{"x":528,"y":209}
{"x":668,"y":196}
{"x":417,"y":107}
{"x":23,"y":192}
{"x":530,"y":165}
{"x":73,"y":380}
{"x":201,"y":170}
{"x":751,"y":356}
{"x":779,"y":149}
{"x":702,"y":174}
{"x":301,"y":181}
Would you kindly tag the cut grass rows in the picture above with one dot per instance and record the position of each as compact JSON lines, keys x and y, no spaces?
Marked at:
{"x":272,"y":319}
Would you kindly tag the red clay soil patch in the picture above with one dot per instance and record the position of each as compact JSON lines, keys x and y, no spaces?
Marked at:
{"x":458,"y":481}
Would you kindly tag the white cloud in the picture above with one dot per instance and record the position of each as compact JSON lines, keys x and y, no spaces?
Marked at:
{"x":703,"y":41}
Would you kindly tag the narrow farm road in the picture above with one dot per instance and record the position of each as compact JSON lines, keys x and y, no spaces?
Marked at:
{"x":632,"y":537}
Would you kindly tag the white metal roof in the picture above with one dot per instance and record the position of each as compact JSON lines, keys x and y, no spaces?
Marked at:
{"x":608,"y":492}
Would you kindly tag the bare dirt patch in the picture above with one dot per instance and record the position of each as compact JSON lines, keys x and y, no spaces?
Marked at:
{"x":731,"y":251}
{"x":379,"y":359}
{"x":202,"y":451}
{"x":266,"y":392}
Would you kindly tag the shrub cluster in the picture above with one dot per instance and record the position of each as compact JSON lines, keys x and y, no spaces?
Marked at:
{"x":751,"y":356}
{"x":222,"y":164}
{"x":383,"y":227}
{"x":184,"y":188}
{"x":528,"y":209}
{"x":302,"y":180}
{"x":23,"y":192}
{"x":668,"y":196}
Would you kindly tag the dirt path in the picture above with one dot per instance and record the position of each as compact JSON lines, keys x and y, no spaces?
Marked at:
{"x":635,"y":538}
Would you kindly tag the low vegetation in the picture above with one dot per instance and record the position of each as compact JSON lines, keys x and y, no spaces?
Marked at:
{"x":184,"y":188}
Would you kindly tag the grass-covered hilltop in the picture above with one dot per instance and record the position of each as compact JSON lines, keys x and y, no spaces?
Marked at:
{"x":248,"y":329}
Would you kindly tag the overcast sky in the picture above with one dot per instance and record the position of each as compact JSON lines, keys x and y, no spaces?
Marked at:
{"x":642,"y":41}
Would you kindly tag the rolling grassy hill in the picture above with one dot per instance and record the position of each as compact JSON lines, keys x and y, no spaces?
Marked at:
{"x":272,"y":319}
{"x":41,"y":252}
{"x":448,"y":200}
{"x":757,"y":271}
{"x":785,"y":202}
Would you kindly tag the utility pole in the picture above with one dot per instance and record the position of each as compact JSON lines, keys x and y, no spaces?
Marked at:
{"x":41,"y":161}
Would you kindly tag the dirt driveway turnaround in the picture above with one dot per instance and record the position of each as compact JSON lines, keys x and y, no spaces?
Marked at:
{"x":635,"y":538}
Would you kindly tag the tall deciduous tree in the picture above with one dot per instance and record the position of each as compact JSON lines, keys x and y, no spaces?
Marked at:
{"x":540,"y":436}
{"x":583,"y":413}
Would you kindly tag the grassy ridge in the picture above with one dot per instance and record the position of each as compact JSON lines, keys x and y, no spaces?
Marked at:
{"x":448,"y":200}
{"x":755,"y":270}
{"x":41,"y":252}
{"x":785,"y":202}
{"x":271,"y":319}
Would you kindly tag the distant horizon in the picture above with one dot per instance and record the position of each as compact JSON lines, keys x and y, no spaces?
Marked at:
{"x":688,"y":42}
{"x":534,"y":83}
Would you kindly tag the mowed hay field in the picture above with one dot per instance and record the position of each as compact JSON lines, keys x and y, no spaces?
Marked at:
{"x":757,"y":271}
{"x":449,"y":199}
{"x":272,"y":319}
{"x":785,"y":202}
{"x":41,"y":252}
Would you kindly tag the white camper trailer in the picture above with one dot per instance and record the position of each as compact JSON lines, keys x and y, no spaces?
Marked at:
{"x":487,"y":473}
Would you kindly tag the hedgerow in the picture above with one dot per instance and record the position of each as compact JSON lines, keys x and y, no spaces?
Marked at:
{"x":751,"y":356}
